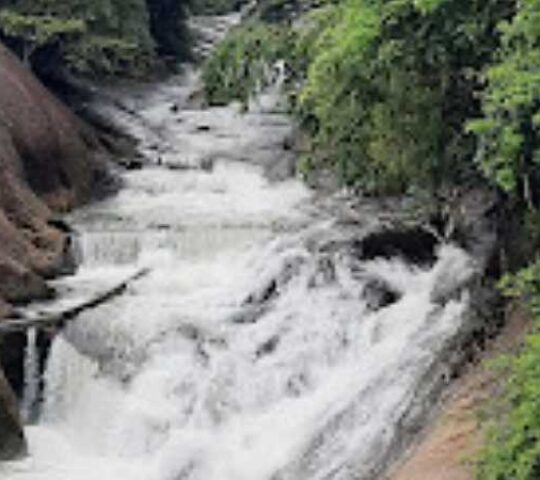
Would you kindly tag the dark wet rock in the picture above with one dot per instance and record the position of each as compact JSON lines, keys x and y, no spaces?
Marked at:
{"x":325,"y":272}
{"x":134,"y":163}
{"x":109,"y":135}
{"x":12,"y":357}
{"x":288,"y":143}
{"x":264,"y":294}
{"x":163,"y":226}
{"x":379,"y":294}
{"x":413,"y":244}
{"x":177,"y":166}
{"x":12,"y":441}
{"x":248,"y":314}
{"x":267,"y":347}
{"x":270,"y":290}
{"x":281,"y":166}
{"x":197,"y":100}
{"x":207,"y":164}
{"x":12,"y":352}
{"x":60,"y":224}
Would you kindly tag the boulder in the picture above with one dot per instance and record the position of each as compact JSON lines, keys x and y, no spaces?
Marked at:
{"x":413,"y":244}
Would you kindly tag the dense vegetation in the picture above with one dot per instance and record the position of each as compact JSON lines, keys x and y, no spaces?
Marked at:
{"x":513,"y":447}
{"x":242,"y":64}
{"x":509,"y":132}
{"x":405,"y":95}
{"x":101,"y":37}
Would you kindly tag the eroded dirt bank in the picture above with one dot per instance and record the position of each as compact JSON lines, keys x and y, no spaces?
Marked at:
{"x":450,"y":444}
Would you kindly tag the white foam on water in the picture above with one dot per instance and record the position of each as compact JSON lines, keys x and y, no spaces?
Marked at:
{"x":31,"y":376}
{"x":247,"y":353}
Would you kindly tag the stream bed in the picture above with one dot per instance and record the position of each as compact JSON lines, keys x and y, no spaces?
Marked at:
{"x":257,"y":348}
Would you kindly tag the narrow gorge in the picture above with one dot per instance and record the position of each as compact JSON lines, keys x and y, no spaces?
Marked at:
{"x":248,"y":326}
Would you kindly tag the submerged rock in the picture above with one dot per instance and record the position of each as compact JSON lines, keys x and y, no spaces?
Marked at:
{"x":414,"y":244}
{"x":379,"y":294}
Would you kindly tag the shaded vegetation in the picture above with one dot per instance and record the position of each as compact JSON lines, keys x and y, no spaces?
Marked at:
{"x":215,"y":7}
{"x":102,"y":37}
{"x":243,"y":63}
{"x":509,"y":133}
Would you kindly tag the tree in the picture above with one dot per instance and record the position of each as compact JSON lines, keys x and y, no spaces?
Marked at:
{"x":509,"y":132}
{"x":98,"y":37}
{"x":35,"y":31}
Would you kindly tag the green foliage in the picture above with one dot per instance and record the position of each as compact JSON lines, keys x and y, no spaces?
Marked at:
{"x":95,"y":37}
{"x":38,"y":29}
{"x":513,"y":447}
{"x":391,"y":85}
{"x":96,"y":55}
{"x":509,"y":131}
{"x":242,"y":64}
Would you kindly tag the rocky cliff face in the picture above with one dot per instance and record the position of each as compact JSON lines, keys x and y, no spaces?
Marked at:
{"x":49,"y":161}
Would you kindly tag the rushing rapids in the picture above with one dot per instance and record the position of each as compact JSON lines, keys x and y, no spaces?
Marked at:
{"x":260,"y":346}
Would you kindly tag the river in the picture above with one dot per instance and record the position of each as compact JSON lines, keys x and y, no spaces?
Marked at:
{"x":255,"y":348}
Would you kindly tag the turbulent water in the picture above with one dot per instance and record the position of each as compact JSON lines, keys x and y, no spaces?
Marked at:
{"x":255,"y":348}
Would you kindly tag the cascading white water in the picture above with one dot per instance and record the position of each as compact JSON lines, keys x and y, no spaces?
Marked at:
{"x":253,"y":350}
{"x":31,"y":375}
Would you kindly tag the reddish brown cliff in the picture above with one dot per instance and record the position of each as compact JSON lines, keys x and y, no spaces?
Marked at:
{"x":48,"y":162}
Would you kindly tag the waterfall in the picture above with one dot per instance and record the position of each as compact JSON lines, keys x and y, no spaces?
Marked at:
{"x":260,"y":346}
{"x":31,"y":376}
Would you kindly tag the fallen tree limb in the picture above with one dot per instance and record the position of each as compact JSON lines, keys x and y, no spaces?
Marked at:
{"x":58,"y":319}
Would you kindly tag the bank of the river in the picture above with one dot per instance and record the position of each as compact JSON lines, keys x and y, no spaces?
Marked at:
{"x":450,"y":444}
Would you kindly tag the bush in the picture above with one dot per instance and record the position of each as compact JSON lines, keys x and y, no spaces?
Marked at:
{"x":509,"y":132}
{"x":513,"y":443}
{"x":102,"y":37}
{"x":242,"y":64}
{"x":391,"y":85}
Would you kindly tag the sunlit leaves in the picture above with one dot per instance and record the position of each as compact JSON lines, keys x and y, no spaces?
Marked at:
{"x":510,"y":130}
{"x":242,"y":64}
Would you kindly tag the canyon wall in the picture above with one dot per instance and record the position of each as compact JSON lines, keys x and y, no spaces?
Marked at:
{"x":49,"y":163}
